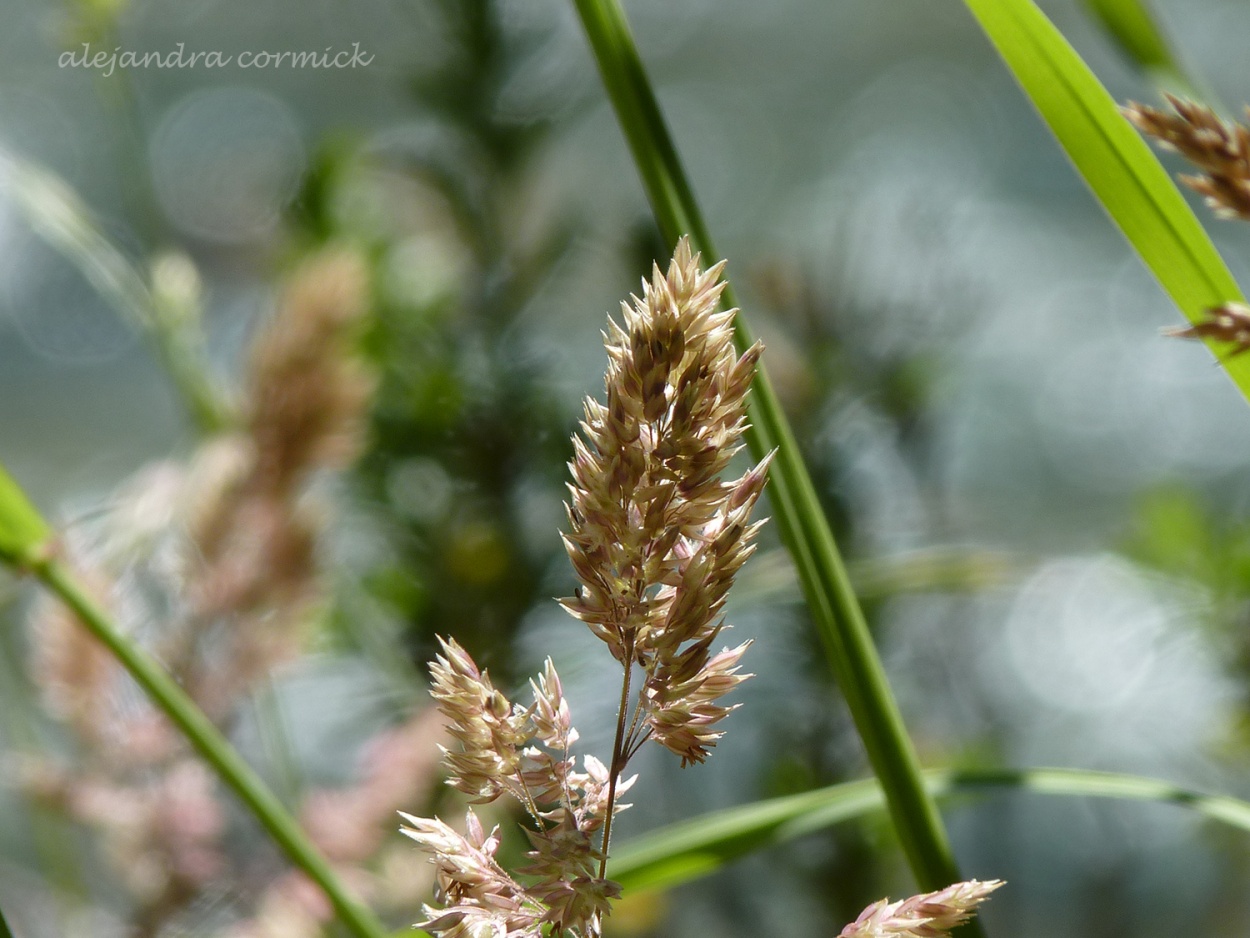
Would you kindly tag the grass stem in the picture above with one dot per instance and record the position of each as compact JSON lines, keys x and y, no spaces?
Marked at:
{"x":619,"y":753}
{"x":209,"y":743}
{"x":805,"y":530}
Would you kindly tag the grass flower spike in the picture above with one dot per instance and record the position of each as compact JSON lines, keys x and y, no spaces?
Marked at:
{"x":656,"y":538}
{"x":1219,"y":149}
{"x":930,"y":915}
{"x":1229,"y":322}
{"x":522,"y":752}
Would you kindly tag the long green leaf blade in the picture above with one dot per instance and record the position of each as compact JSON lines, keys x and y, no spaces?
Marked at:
{"x":1132,"y":24}
{"x":685,"y":851}
{"x":1117,"y":164}
{"x":796,"y":510}
{"x":1136,"y":30}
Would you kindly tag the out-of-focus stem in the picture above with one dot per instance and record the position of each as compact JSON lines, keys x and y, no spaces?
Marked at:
{"x":209,"y":743}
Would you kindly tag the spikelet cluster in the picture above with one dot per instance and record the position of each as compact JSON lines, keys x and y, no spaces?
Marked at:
{"x":522,"y":752}
{"x":656,"y":535}
{"x":255,"y":532}
{"x":930,"y":915}
{"x":1221,"y":150}
{"x":1228,"y":323}
{"x":655,"y":538}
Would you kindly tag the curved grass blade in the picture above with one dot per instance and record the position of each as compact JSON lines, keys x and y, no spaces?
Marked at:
{"x":694,"y":848}
{"x":1135,"y":29}
{"x":834,"y":608}
{"x":25,"y":545}
{"x":1116,"y":163}
{"x":4,"y":927}
{"x":1132,"y":25}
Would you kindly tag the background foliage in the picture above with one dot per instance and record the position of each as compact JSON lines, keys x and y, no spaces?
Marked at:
{"x":1042,"y":501}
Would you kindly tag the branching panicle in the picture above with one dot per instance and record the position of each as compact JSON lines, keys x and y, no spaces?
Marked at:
{"x":656,"y":537}
{"x":479,"y":897}
{"x":490,"y":730}
{"x":523,"y":752}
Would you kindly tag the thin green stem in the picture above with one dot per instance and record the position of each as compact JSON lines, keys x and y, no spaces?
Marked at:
{"x":632,"y":742}
{"x":210,"y":744}
{"x":618,"y":752}
{"x":834,"y":608}
{"x":185,"y":367}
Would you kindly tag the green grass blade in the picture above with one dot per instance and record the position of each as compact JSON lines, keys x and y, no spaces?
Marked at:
{"x":690,"y":849}
{"x":213,"y":747}
{"x":1133,"y":26}
{"x":1113,"y":159}
{"x":796,"y":510}
{"x":4,"y":927}
{"x":697,"y":847}
{"x":1135,"y":29}
{"x":24,"y":541}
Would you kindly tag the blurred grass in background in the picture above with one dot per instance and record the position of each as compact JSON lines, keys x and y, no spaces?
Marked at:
{"x":1043,"y":502}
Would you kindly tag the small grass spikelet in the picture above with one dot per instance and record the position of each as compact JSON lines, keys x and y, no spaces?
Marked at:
{"x":929,"y":915}
{"x":1220,"y":149}
{"x":507,"y":749}
{"x":1229,"y":322}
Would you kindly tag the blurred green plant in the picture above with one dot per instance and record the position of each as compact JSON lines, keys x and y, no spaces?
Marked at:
{"x":1134,"y":27}
{"x":689,"y":849}
{"x":164,"y":305}
{"x":1180,"y":534}
{"x":24,"y":535}
{"x":464,"y":429}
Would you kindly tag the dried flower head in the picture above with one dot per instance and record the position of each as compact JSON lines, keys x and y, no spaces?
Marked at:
{"x":1221,"y":150}
{"x":523,"y":752}
{"x":656,"y":535}
{"x":930,"y":915}
{"x":656,"y":538}
{"x":479,"y":897}
{"x":307,"y":395}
